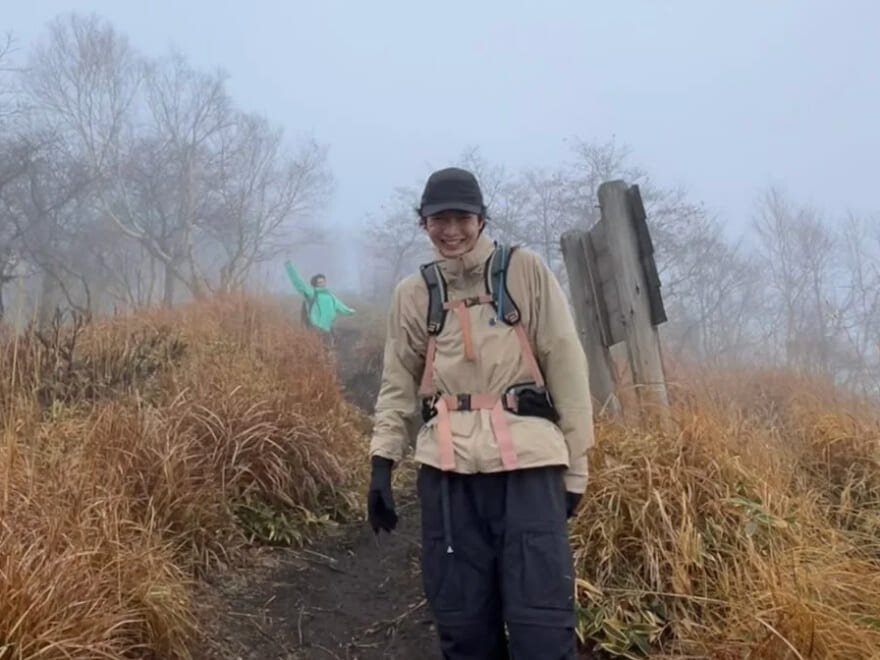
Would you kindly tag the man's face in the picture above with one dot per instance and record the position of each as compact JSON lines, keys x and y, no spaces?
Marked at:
{"x":453,"y":233}
{"x":320,"y":282}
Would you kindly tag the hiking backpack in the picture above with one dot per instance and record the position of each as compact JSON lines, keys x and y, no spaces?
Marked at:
{"x":305,"y":311}
{"x":520,"y":398}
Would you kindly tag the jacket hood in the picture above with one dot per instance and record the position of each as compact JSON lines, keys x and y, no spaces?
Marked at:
{"x":469,"y":263}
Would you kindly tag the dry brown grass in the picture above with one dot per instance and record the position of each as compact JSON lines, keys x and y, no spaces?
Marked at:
{"x":751,"y":532}
{"x":138,"y":452}
{"x":81,"y":575}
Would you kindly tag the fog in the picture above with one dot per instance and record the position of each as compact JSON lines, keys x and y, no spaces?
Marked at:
{"x":727,"y":115}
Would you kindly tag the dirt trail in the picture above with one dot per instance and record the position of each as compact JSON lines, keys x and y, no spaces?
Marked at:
{"x":347,"y":597}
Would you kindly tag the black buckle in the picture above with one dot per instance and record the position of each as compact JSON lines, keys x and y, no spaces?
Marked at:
{"x":429,"y":407}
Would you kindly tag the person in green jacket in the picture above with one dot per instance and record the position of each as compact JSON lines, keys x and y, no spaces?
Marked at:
{"x":320,"y":306}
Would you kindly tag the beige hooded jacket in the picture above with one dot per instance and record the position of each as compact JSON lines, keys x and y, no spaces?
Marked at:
{"x":498,"y":364}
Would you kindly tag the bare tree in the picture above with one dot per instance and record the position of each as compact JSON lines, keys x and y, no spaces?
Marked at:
{"x":44,"y":205}
{"x":163,"y":186}
{"x":595,"y":162}
{"x":395,"y":241}
{"x":798,"y":251}
{"x":127,"y":274}
{"x":204,"y":190}
{"x":716,"y":311}
{"x":859,"y":241}
{"x":550,"y":211}
{"x":13,"y":161}
{"x":15,"y":157}
{"x":8,"y":99}
{"x":80,"y":88}
{"x":82,"y":81}
{"x":266,"y":197}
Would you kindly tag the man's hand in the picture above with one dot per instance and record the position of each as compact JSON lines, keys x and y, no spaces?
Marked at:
{"x":571,"y":502}
{"x":380,"y":501}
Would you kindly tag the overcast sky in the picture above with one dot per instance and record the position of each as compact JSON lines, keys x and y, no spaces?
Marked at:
{"x":720,"y":97}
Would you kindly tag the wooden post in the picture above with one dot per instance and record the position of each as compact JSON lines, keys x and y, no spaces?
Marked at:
{"x":642,"y":340}
{"x":591,"y":319}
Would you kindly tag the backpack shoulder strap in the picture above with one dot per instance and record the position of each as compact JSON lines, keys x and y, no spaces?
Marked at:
{"x":496,"y":284}
{"x":497,"y":268}
{"x":436,"y":296}
{"x":436,"y":317}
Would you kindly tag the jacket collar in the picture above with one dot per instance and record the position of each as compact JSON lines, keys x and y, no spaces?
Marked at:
{"x":469,"y":263}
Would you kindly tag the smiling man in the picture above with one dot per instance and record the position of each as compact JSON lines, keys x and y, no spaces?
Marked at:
{"x":452,"y":212}
{"x":482,"y":341}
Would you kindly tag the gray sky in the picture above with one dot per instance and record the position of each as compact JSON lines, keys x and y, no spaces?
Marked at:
{"x":721,"y":97}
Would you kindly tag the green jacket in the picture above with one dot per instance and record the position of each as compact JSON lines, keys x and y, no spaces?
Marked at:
{"x":323,"y":306}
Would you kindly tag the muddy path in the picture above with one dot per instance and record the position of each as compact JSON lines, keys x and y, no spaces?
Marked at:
{"x":346,"y":597}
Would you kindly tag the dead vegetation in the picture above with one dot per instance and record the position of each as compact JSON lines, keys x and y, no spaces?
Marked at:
{"x":139,"y":452}
{"x":751,"y":532}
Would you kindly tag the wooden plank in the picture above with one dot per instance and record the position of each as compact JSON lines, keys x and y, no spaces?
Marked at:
{"x":646,"y":255}
{"x":607,"y":285}
{"x":601,"y":368}
{"x":642,"y":340}
{"x":593,"y":287}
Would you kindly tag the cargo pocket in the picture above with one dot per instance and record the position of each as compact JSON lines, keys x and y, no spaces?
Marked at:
{"x":547,"y":569}
{"x":441,"y":578}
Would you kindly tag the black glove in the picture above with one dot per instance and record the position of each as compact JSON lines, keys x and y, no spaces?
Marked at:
{"x":571,"y":502}
{"x":380,"y":502}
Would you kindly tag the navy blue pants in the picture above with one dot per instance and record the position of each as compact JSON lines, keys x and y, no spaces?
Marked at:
{"x":495,"y":554}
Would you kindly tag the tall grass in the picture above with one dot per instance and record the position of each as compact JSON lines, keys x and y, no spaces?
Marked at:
{"x":139,"y":452}
{"x":749,"y":532}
